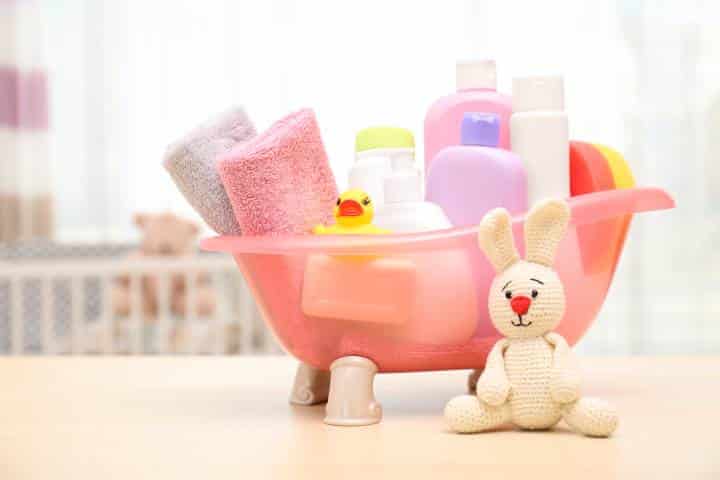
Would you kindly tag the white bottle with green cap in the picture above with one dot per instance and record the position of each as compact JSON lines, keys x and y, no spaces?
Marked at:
{"x":379,"y":151}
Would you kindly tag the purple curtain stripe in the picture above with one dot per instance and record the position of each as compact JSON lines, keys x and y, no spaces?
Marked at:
{"x":14,"y":3}
{"x":23,"y":99}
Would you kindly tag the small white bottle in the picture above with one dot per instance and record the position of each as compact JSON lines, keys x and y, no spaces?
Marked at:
{"x":378,"y":152}
{"x":539,"y":135}
{"x":404,"y":210}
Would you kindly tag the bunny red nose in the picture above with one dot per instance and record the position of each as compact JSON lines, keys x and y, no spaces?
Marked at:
{"x":520,"y":305}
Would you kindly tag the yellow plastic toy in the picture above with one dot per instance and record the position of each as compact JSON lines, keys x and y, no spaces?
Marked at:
{"x":354,"y":213}
{"x":618,"y":166}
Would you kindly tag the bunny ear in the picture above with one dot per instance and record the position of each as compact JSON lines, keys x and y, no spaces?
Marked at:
{"x":496,"y":240}
{"x":545,"y":226}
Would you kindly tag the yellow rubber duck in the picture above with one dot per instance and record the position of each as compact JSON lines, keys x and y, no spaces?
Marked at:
{"x":353,"y":216}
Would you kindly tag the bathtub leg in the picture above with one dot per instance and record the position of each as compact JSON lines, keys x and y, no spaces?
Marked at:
{"x":311,"y":386}
{"x":352,"y":400}
{"x":473,"y":379}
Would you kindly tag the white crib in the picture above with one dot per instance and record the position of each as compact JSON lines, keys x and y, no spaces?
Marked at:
{"x":61,"y":304}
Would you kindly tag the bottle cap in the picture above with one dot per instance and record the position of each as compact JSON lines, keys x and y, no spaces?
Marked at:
{"x":479,"y":128}
{"x":538,"y":93}
{"x":403,"y":187}
{"x":383,"y":137}
{"x":475,"y":74}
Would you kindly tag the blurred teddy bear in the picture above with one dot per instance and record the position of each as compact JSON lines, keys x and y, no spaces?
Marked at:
{"x":165,"y":235}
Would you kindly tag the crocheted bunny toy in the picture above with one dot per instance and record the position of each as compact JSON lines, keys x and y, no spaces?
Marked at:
{"x":530,"y":378}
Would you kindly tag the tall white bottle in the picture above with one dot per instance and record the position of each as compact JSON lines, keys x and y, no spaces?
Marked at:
{"x":539,"y":135}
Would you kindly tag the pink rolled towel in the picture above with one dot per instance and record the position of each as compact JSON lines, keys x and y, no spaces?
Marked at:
{"x":280,"y":182}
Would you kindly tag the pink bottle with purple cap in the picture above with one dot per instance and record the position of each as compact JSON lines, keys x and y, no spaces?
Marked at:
{"x":470,"y":179}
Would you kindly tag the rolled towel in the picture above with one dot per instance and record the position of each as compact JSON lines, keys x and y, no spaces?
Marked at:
{"x":191,"y":164}
{"x":280,"y":182}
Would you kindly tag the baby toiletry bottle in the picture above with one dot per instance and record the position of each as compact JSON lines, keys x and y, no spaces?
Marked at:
{"x":377,"y":151}
{"x":404,"y":210}
{"x":471,"y":179}
{"x":476,"y":92}
{"x":539,"y":135}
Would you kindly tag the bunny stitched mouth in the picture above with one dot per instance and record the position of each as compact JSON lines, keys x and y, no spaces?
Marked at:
{"x":520,"y":322}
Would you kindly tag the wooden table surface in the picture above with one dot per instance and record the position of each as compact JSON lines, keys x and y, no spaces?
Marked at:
{"x":225,"y":417}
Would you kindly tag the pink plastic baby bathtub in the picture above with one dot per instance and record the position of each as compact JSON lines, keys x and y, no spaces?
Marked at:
{"x":418,"y":301}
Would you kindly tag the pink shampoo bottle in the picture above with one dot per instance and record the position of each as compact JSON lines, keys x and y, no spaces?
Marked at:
{"x":476,"y":92}
{"x":471,"y":179}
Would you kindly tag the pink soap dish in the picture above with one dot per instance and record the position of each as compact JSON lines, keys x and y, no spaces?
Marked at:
{"x":371,"y":290}
{"x":416,"y":301}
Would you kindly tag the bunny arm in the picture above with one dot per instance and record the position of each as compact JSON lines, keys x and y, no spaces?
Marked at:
{"x":493,"y":386}
{"x":565,"y":378}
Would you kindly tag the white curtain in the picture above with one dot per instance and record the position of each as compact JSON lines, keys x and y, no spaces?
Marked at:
{"x":135,"y":75}
{"x":25,"y":190}
{"x":641,"y":76}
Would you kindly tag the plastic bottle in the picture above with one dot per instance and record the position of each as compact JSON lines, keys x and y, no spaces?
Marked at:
{"x":379,"y":150}
{"x":404,"y":210}
{"x":476,"y":92}
{"x":539,"y":135}
{"x":469,"y":180}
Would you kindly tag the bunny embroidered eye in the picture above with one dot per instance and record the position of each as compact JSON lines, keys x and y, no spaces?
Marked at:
{"x":508,"y":294}
{"x":534,"y":294}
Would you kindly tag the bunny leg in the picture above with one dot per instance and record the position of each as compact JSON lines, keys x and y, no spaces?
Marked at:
{"x":591,"y":417}
{"x":467,"y":414}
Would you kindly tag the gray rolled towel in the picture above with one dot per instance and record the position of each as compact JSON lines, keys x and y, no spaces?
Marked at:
{"x":191,"y":164}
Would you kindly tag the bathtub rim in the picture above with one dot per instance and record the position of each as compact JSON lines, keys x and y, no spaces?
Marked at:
{"x":585,"y":209}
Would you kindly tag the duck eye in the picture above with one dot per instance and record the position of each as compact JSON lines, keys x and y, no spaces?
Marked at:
{"x":534,"y":294}
{"x":508,"y":294}
{"x":338,"y":202}
{"x":366,"y":201}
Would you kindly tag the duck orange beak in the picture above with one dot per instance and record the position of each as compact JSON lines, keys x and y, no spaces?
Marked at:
{"x":350,"y":208}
